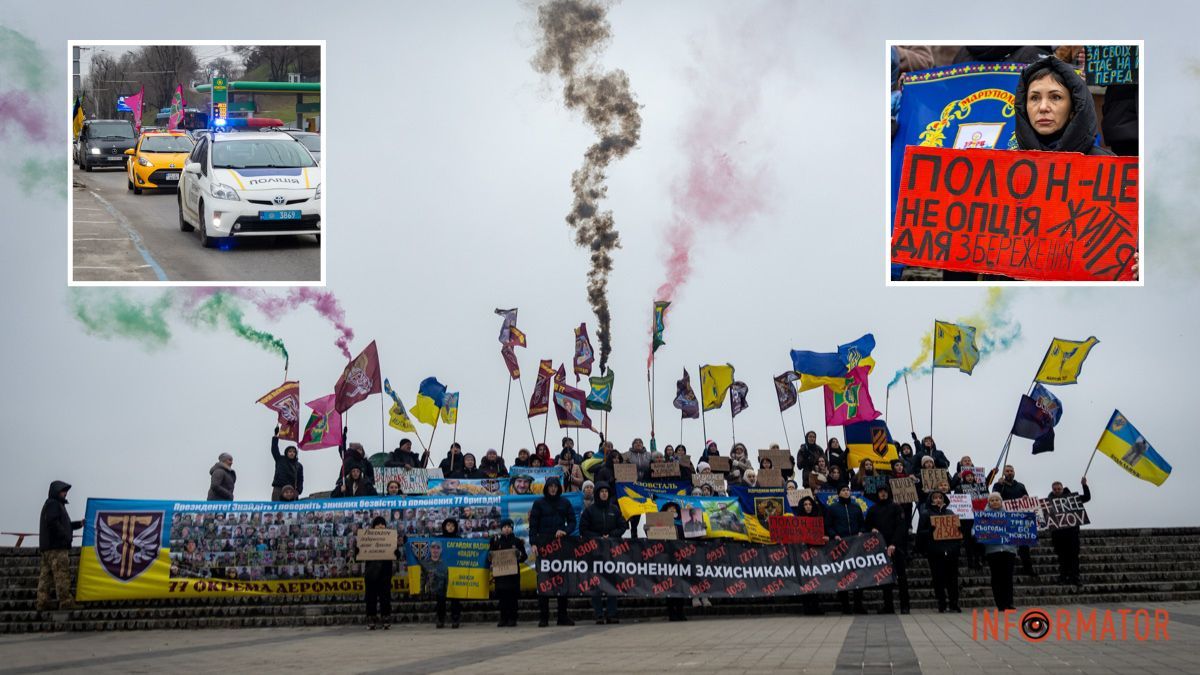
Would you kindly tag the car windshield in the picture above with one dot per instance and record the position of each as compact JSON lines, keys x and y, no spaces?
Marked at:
{"x":167,"y":144}
{"x":111,"y":130}
{"x":260,"y":154}
{"x":312,"y":142}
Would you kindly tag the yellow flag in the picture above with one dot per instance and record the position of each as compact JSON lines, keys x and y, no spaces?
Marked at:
{"x":714,"y":384}
{"x":1064,"y":361}
{"x":398,"y":419}
{"x":954,"y":346}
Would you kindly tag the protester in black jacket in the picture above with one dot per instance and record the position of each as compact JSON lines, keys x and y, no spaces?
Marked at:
{"x":835,"y":454}
{"x":928,"y":447}
{"x":1120,"y":119}
{"x":1010,"y":488}
{"x":941,"y":554}
{"x":54,"y":545}
{"x":549,"y":518}
{"x":452,"y":465}
{"x":356,"y":485}
{"x":603,"y":520}
{"x":1066,"y":539}
{"x":404,"y":457}
{"x":508,"y":587}
{"x":1054,"y":110}
{"x":809,"y":452}
{"x":492,"y":465}
{"x":887,"y":518}
{"x":845,"y":519}
{"x":353,"y":454}
{"x":377,"y":577}
{"x":470,"y":469}
{"x":288,"y":470}
{"x":449,"y":531}
{"x":810,"y":508}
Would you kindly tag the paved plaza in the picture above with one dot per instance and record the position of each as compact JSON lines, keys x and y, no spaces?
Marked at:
{"x":922,"y":642}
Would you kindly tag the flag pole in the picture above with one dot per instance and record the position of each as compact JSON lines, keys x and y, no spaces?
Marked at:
{"x":911,"y":425}
{"x":1089,"y":465}
{"x":532,"y":438}
{"x":382,"y":441}
{"x":932,"y":373}
{"x":433,"y":433}
{"x":785,"y":433}
{"x":732,"y":425}
{"x":504,"y":431}
{"x":546,"y":427}
{"x":454,"y":439}
{"x":650,"y":401}
{"x":800,"y":407}
{"x":681,"y":427}
{"x":703,"y":422}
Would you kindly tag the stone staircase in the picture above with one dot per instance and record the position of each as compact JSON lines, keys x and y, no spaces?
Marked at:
{"x":1133,"y":566}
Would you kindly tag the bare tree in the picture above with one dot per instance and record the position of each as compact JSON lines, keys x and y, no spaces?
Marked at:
{"x":163,"y":68}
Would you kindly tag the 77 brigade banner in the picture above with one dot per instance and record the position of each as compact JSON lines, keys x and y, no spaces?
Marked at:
{"x":531,"y":480}
{"x":1049,"y":216}
{"x":688,"y":569}
{"x":456,"y":567}
{"x":135,"y":549}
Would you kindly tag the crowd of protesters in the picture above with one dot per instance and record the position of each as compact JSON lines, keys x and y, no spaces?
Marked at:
{"x":906,"y":529}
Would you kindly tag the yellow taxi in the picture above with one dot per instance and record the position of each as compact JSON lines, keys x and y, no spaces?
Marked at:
{"x":157,"y":160}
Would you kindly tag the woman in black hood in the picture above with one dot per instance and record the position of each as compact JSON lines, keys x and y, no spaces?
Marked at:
{"x":603,"y":520}
{"x":811,"y":508}
{"x":508,"y":587}
{"x":941,"y":553}
{"x":449,"y":531}
{"x":1055,"y":111}
{"x":377,"y":575}
{"x":551,"y":517}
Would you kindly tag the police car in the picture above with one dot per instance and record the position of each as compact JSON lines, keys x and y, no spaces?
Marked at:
{"x":249,"y":185}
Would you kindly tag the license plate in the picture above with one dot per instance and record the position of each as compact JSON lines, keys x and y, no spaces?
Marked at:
{"x":279,"y":215}
{"x":116,"y":158}
{"x":171,"y":176}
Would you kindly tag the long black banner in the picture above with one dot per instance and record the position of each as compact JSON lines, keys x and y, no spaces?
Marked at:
{"x":687,"y":569}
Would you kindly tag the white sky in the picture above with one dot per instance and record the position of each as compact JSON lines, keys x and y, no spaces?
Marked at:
{"x":448,"y":170}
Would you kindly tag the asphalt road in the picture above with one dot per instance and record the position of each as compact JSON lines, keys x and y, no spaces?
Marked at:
{"x":120,"y":236}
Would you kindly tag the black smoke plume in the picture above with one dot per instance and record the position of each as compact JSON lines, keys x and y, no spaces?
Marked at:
{"x":573,"y":33}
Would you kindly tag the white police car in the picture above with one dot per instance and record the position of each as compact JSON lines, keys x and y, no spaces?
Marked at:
{"x":249,"y":185}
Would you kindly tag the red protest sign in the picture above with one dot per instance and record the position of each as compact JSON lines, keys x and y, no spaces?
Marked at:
{"x":1050,"y":216}
{"x":797,"y":530}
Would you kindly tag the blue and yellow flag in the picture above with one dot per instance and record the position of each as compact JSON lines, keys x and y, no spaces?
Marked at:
{"x":431,"y":395}
{"x":1064,"y":361}
{"x":870,"y":440}
{"x":660,"y":325}
{"x":77,"y":117}
{"x":954,"y":346}
{"x":450,"y":408}
{"x":398,"y":415}
{"x":714,"y":384}
{"x":600,"y":392}
{"x":638,"y":498}
{"x":1128,"y":447}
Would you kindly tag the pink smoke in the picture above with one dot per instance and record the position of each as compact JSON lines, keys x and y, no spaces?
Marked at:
{"x":273,"y":306}
{"x":16,"y":108}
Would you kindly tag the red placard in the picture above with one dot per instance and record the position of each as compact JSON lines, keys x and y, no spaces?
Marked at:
{"x":797,"y":530}
{"x":1047,"y":216}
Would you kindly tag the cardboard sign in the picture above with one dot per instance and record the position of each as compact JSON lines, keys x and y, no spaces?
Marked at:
{"x":770,"y":478}
{"x":1046,"y":216}
{"x":816,"y":481}
{"x":1006,"y":528}
{"x":1063,"y":512}
{"x":376,"y":544}
{"x":1026,"y":503}
{"x":625,"y":473}
{"x":932,"y":479}
{"x":904,"y":490}
{"x":720,"y":464}
{"x":780,"y":459}
{"x":945,"y":527}
{"x":872,"y":483}
{"x":1106,"y":65}
{"x":660,"y":525}
{"x":664,"y":469}
{"x":414,"y":481}
{"x":716,"y":480}
{"x":794,"y":495}
{"x":504,"y":562}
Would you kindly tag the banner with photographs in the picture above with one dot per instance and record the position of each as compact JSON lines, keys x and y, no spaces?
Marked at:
{"x":531,"y":480}
{"x":167,"y":549}
{"x":454,"y":567}
{"x":689,"y":568}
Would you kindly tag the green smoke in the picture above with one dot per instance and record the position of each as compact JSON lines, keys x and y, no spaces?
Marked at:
{"x":108,"y":314}
{"x":48,"y":174}
{"x":224,"y":308}
{"x":20,"y":55}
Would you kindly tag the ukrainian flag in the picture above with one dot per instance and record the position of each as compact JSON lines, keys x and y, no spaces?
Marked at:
{"x":1126,"y":446}
{"x":1064,"y":361}
{"x":450,"y":409}
{"x":77,"y":117}
{"x":635,"y":500}
{"x":714,"y":384}
{"x":954,"y":346}
{"x":836,"y":384}
{"x":431,"y":395}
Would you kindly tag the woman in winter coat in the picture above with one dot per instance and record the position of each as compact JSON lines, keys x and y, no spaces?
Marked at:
{"x":606,"y":473}
{"x":836,"y":480}
{"x":816,"y":475}
{"x":676,"y":607}
{"x":809,"y":452}
{"x":844,"y":518}
{"x":1001,"y":559}
{"x":1054,"y":110}
{"x":492,"y":465}
{"x":739,"y":464}
{"x":603,"y":520}
{"x":941,"y":554}
{"x":866,"y":469}
{"x":835,"y":454}
{"x":470,"y":468}
{"x":508,"y":587}
{"x":522,"y":458}
{"x":377,"y":576}
{"x":452,"y":465}
{"x":441,"y":582}
{"x":809,"y":508}
{"x":572,"y":474}
{"x":542,"y":452}
{"x":970,"y":485}
{"x":549,"y":518}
